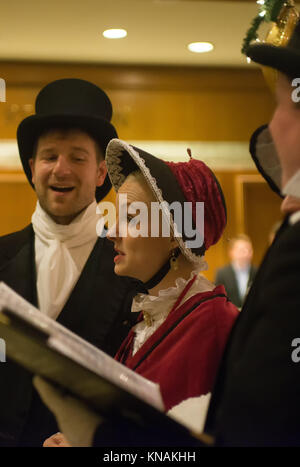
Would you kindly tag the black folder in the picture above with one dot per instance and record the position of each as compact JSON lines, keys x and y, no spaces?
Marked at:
{"x":45,"y":347}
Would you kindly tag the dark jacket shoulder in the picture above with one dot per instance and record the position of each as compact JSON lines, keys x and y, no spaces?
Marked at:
{"x":12,"y":243}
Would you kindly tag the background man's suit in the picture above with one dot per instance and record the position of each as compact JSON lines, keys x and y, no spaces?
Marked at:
{"x":98,"y":310}
{"x":226,"y":276}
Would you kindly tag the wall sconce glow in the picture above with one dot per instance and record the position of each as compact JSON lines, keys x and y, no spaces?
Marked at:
{"x":200,"y":47}
{"x":115,"y":33}
{"x":2,"y":90}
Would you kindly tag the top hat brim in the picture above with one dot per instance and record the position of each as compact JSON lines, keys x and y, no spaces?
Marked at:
{"x":284,"y":59}
{"x":31,"y":128}
{"x":264,"y":155}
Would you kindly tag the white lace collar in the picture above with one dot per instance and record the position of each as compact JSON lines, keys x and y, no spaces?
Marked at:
{"x":157,"y":308}
{"x":147,"y":302}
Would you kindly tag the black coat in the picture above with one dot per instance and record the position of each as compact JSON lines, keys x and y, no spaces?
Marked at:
{"x":98,"y":310}
{"x":226,"y":276}
{"x":256,"y":396}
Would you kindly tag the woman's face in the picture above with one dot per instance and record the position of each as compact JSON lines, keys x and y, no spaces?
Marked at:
{"x":139,"y":257}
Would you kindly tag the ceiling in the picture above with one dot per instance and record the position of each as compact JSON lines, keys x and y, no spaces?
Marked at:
{"x":158,"y":31}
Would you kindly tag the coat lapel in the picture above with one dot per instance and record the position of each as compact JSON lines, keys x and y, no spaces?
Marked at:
{"x":234,"y":284}
{"x":22,"y":262}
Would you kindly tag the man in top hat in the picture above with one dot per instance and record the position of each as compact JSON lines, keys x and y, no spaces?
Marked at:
{"x":256,"y":398}
{"x":58,"y":262}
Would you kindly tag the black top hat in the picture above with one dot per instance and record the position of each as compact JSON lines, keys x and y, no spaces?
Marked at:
{"x":73,"y":103}
{"x":285,"y":59}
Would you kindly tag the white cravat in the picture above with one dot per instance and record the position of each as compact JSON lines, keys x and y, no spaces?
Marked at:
{"x":292,"y":187}
{"x":242,"y":277}
{"x":61,"y":252}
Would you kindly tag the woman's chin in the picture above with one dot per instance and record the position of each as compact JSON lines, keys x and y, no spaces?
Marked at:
{"x":121,"y":270}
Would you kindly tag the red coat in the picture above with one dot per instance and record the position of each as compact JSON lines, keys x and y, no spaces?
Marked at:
{"x":184,"y":353}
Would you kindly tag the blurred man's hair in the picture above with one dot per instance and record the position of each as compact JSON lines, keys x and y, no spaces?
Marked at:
{"x":237,"y":238}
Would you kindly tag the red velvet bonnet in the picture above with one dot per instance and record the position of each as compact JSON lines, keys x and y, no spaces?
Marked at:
{"x":170,"y":182}
{"x":198,"y":183}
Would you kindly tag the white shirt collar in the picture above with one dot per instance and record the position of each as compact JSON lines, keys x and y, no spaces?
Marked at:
{"x":295,"y":217}
{"x":292,"y":187}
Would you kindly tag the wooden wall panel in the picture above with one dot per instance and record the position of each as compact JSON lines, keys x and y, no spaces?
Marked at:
{"x":263,"y":210}
{"x":17,"y":202}
{"x":189,"y":115}
{"x":165,"y":103}
{"x":19,"y":105}
{"x":163,"y":115}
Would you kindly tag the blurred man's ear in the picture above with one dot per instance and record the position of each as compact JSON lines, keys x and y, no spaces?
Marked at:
{"x":290,"y":204}
{"x":31,"y":165}
{"x":102,"y":171}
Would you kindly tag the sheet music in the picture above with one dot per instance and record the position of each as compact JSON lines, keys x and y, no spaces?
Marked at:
{"x":81,"y":351}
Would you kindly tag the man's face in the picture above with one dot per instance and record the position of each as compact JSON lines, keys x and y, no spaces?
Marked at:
{"x":65,"y":173}
{"x":241,"y":252}
{"x":285,"y":129}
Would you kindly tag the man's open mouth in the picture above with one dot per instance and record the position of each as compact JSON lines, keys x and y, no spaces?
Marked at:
{"x":62,"y":189}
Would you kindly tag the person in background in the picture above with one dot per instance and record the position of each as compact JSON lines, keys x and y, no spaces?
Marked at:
{"x":239,"y":274}
{"x":58,"y":262}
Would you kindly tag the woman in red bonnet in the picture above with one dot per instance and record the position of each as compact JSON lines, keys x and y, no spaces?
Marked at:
{"x":184,"y":319}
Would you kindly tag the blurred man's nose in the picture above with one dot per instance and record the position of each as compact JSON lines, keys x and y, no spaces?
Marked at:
{"x":62,"y":166}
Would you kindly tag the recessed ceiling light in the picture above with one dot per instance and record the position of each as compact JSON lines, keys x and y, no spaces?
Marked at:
{"x":200,"y":47}
{"x":115,"y":33}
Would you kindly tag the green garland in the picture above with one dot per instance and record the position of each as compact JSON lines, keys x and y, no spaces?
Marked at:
{"x":272,"y":9}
